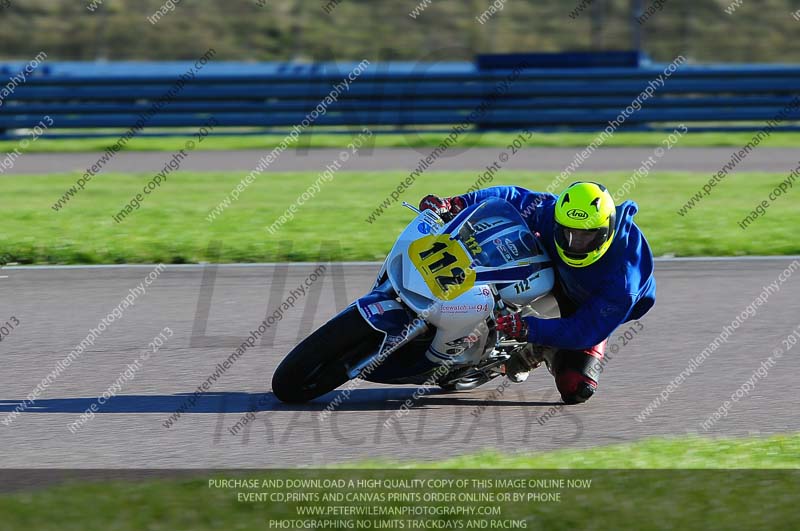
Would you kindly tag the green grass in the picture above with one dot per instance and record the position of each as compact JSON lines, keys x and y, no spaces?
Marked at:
{"x":171,"y":225}
{"x":776,"y":452}
{"x":643,"y":497}
{"x":404,"y":140}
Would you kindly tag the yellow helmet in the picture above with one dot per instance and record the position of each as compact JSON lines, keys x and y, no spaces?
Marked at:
{"x":585,"y":219}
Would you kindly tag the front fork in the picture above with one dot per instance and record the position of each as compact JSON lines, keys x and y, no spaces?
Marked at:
{"x":416,"y":328}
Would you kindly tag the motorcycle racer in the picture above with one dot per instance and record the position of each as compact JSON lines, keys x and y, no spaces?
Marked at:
{"x":604,"y":277}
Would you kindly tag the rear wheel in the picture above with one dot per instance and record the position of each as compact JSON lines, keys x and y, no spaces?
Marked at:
{"x":319,"y":363}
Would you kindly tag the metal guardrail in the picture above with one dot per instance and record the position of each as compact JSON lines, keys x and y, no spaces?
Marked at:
{"x":113,"y":95}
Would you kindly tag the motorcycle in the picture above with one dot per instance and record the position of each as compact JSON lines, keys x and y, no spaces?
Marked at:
{"x":430,"y":317}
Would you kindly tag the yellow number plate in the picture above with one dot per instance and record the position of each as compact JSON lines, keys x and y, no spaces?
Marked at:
{"x":444,"y":265}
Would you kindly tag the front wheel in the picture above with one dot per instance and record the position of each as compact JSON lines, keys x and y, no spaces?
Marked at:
{"x":318,"y":365}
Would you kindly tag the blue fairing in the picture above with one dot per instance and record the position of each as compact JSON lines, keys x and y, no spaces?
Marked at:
{"x":384,"y":313}
{"x":407,"y":365}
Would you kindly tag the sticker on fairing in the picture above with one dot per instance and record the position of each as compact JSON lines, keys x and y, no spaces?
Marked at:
{"x":444,"y":265}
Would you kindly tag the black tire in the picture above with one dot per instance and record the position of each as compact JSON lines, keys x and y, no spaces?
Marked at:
{"x":318,"y":365}
{"x":473,"y":380}
{"x":448,"y":388}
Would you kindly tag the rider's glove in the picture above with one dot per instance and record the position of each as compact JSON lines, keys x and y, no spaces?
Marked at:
{"x":513,"y":326}
{"x":446,"y":207}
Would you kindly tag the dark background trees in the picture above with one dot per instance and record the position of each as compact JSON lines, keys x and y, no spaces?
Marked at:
{"x":759,"y":30}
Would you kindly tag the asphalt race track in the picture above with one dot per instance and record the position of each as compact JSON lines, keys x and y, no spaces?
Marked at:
{"x":708,"y":160}
{"x":56,"y":307}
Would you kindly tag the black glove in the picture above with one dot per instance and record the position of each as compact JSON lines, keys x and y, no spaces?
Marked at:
{"x":446,"y":207}
{"x":513,"y":326}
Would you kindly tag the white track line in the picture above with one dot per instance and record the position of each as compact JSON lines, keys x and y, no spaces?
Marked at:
{"x":663,"y":259}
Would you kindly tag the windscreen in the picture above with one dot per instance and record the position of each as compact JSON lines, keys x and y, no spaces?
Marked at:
{"x":496,"y":235}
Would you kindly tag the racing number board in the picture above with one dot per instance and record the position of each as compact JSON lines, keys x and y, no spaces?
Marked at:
{"x":444,"y":265}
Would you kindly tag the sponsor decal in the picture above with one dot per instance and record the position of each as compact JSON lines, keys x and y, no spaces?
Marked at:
{"x":424,"y":228}
{"x":392,"y":340}
{"x":457,"y":346}
{"x":524,"y":285}
{"x":577,"y":213}
{"x":464,"y":308}
{"x":473,"y":245}
{"x":486,"y":225}
{"x":366,"y":310}
{"x":512,"y":247}
{"x":503,"y":250}
{"x":444,"y":265}
{"x":378,"y":308}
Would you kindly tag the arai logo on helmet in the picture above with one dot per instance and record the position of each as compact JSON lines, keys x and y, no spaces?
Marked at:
{"x":577,"y":213}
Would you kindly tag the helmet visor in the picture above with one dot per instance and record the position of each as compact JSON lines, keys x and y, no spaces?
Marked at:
{"x":580,"y":242}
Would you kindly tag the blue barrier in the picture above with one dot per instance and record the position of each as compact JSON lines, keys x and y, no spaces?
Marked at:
{"x":79,"y":95}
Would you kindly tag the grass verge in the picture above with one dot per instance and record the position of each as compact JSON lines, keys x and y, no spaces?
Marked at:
{"x":775,"y":452}
{"x":171,"y":226}
{"x":675,"y":498}
{"x":404,"y":140}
